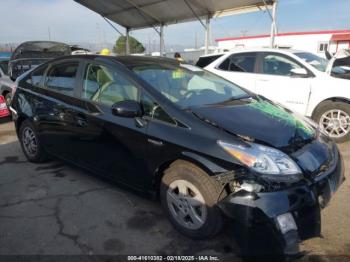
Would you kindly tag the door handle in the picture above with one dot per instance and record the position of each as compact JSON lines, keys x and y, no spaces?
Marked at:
{"x":155,"y":142}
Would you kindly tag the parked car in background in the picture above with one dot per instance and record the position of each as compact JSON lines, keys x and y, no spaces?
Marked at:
{"x":78,"y":50}
{"x":6,"y":83}
{"x":29,"y":55}
{"x":339,"y":64}
{"x":205,"y":146}
{"x":4,"y":111}
{"x":296,"y":79}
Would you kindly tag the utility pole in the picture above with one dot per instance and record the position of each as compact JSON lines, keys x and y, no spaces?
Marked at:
{"x":207,"y":34}
{"x":49,"y":31}
{"x":161,"y":40}
{"x":195,"y":41}
{"x":273,"y":24}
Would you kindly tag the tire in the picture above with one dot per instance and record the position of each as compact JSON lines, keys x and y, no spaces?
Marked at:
{"x":329,"y":110}
{"x":200,"y":189}
{"x":30,"y":143}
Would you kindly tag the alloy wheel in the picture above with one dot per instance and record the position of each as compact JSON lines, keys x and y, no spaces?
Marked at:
{"x":186,"y":204}
{"x":336,"y":123}
{"x":29,"y":141}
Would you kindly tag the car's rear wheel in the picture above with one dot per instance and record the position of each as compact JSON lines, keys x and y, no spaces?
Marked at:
{"x":334,"y":119}
{"x":189,"y":196}
{"x":30,"y":143}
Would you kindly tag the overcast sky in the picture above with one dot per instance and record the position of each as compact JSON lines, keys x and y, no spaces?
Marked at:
{"x":67,"y":21}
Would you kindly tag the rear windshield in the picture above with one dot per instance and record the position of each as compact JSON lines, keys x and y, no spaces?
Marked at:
{"x":206,"y":60}
{"x":41,"y":50}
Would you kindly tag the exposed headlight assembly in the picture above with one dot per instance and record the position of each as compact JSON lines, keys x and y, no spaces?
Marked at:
{"x":267,"y":161}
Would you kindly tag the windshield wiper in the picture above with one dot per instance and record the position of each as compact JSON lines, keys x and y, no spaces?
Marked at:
{"x":231,"y":100}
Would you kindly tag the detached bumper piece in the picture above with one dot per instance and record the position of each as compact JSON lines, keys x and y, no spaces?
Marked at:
{"x":270,"y":223}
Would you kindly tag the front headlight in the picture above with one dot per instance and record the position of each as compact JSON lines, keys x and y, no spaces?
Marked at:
{"x":262,"y":159}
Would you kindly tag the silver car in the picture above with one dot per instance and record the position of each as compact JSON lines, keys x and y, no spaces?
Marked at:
{"x":5,"y":82}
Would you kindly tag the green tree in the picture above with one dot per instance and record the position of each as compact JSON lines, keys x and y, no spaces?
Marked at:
{"x":135,"y":46}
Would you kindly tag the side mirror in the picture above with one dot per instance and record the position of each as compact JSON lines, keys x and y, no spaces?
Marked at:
{"x":127,"y":108}
{"x":299,"y":72}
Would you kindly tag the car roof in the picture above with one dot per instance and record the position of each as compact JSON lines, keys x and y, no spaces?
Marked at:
{"x":126,"y":60}
{"x":258,"y":49}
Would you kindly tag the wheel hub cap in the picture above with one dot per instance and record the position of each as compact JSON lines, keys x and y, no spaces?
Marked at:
{"x":186,"y":204}
{"x":29,"y":141}
{"x":336,"y":123}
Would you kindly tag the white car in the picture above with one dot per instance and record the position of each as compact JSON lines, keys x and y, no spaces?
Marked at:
{"x":296,"y":79}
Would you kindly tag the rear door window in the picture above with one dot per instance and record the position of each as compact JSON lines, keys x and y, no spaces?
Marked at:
{"x":62,"y":77}
{"x":36,"y":77}
{"x":244,"y":62}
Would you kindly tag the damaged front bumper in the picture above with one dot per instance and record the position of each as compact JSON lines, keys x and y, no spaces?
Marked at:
{"x":287,"y":216}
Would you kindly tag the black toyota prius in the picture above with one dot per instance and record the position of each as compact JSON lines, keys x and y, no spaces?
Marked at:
{"x":210,"y":150}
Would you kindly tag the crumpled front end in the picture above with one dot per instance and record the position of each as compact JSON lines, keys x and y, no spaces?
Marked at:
{"x":287,"y":213}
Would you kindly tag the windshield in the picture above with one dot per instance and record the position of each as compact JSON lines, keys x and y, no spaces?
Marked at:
{"x":188,"y":86}
{"x":317,"y":62}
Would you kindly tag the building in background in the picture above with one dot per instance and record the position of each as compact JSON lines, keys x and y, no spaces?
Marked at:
{"x":316,"y":41}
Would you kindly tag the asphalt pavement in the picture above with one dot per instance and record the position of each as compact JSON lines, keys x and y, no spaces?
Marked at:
{"x":55,"y":209}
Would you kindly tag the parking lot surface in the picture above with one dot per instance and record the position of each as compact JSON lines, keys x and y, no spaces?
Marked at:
{"x":56,"y":209}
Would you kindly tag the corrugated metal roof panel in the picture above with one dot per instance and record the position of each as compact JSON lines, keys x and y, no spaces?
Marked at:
{"x":136,"y":14}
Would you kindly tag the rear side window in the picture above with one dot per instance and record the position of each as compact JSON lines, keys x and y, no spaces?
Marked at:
{"x":62,"y":77}
{"x":239,"y":63}
{"x":206,"y":60}
{"x":107,"y":86}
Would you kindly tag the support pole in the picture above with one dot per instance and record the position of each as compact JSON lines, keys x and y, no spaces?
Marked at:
{"x":273,"y":24}
{"x":127,"y":42}
{"x":207,"y":34}
{"x":161,"y":38}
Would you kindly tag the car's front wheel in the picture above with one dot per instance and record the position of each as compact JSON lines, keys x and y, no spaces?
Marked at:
{"x":30,"y":143}
{"x":334,"y":119}
{"x":189,"y":196}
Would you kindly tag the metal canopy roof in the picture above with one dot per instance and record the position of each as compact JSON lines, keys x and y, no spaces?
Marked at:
{"x":138,"y":14}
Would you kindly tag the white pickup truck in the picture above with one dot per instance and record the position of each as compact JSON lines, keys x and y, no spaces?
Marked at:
{"x":301,"y":81}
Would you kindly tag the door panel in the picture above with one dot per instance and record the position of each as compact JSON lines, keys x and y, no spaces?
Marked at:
{"x":111,"y":145}
{"x":56,"y":107}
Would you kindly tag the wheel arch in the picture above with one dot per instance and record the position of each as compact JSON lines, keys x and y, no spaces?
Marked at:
{"x":203,"y":163}
{"x":331,"y":99}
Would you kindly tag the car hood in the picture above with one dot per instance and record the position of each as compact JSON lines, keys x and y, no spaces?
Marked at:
{"x":261,"y":120}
